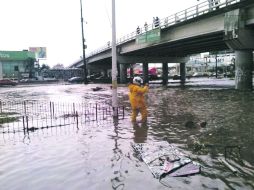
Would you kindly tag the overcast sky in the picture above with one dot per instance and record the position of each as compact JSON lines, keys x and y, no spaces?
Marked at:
{"x":55,"y":24}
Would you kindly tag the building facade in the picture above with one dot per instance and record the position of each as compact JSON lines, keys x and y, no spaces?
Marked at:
{"x":16,"y":64}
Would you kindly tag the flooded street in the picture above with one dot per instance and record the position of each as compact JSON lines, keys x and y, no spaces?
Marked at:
{"x":98,"y":155}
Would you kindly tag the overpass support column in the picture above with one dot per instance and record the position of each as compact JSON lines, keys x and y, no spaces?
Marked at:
{"x":240,"y":38}
{"x":131,"y":71}
{"x":145,"y":72}
{"x":105,"y":72}
{"x":244,"y":67}
{"x":178,"y":69}
{"x":182,"y":72}
{"x":165,"y":73}
{"x":123,"y":73}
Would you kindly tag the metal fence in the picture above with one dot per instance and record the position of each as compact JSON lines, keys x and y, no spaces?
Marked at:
{"x":187,"y":14}
{"x":33,"y":115}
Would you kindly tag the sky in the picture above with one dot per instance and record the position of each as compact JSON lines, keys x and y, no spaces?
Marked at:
{"x":56,"y":24}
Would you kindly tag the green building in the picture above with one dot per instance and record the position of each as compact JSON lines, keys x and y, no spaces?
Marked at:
{"x":16,"y":64}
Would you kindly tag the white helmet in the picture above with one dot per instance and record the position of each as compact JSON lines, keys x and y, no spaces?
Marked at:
{"x":137,"y":80}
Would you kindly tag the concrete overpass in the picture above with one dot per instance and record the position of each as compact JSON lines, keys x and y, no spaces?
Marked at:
{"x":202,"y":28}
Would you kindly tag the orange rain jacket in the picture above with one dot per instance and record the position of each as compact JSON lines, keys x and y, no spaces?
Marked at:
{"x":136,"y":96}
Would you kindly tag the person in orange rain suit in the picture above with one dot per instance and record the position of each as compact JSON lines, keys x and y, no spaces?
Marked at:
{"x":137,"y":99}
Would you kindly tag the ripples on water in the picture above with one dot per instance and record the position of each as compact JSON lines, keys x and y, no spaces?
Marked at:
{"x":99,"y":155}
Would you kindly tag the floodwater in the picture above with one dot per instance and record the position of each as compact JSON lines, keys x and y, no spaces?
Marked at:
{"x":99,"y":155}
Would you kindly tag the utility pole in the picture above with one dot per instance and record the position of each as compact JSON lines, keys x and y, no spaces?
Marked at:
{"x":83,"y":44}
{"x":114,"y":64}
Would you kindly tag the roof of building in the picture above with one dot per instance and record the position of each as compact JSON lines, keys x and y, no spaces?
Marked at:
{"x":16,"y":55}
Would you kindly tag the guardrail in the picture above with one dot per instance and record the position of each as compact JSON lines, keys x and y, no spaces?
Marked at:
{"x":31,"y":115}
{"x":187,"y":14}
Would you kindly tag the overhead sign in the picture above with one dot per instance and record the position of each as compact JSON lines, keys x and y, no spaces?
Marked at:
{"x":153,"y":35}
{"x":40,"y":52}
{"x":141,"y":39}
{"x":149,"y":37}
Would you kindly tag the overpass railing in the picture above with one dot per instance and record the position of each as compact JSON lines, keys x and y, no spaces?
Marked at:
{"x":187,"y":14}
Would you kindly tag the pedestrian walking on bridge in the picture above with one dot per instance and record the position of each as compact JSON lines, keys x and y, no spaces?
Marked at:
{"x":146,"y":26}
{"x":156,"y":22}
{"x":138,"y":30}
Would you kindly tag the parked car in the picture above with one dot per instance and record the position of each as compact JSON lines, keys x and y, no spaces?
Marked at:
{"x":7,"y":82}
{"x":76,"y":80}
{"x":93,"y":76}
{"x":176,"y":77}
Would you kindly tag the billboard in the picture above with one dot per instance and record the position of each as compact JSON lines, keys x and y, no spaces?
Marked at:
{"x":40,"y":52}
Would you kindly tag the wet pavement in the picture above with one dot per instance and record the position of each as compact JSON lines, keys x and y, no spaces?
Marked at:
{"x":98,"y":155}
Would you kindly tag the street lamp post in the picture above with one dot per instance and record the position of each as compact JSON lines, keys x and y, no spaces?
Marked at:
{"x":83,"y":44}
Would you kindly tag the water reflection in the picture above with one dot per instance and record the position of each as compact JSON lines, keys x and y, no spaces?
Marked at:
{"x":118,"y":180}
{"x":140,"y":132}
{"x":26,"y":139}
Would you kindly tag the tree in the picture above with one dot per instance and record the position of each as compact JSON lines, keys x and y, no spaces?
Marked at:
{"x":44,"y":67}
{"x":58,"y":66}
{"x":29,"y":66}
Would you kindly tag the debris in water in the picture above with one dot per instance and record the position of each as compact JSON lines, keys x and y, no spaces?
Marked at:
{"x":164,"y":159}
{"x":97,"y":88}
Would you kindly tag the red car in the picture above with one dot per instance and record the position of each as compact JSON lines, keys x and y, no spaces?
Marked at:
{"x":7,"y":82}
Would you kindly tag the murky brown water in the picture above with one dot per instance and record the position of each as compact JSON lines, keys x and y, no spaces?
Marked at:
{"x":99,"y":156}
